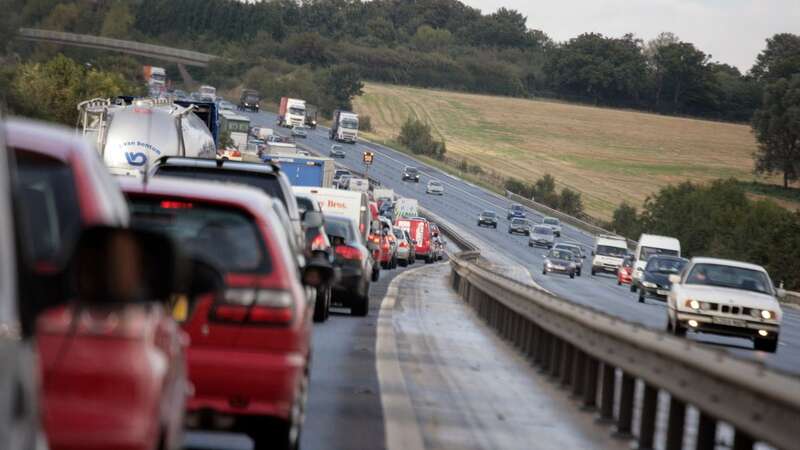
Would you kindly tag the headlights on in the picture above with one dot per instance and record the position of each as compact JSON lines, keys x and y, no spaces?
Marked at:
{"x":762,"y":313}
{"x":650,"y":285}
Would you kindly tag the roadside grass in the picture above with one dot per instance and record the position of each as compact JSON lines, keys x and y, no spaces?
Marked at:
{"x":607,"y":155}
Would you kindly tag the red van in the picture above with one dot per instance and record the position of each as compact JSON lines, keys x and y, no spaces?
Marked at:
{"x":420,"y":231}
{"x":250,"y":347}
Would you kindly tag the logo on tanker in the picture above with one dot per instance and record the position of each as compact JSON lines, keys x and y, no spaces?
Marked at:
{"x":136,"y":158}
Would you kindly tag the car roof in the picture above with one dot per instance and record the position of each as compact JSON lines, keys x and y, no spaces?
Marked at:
{"x":665,"y":242}
{"x":549,"y":217}
{"x":727,"y":262}
{"x":58,"y":142}
{"x":242,"y":196}
{"x":567,"y":245}
{"x":208,"y":163}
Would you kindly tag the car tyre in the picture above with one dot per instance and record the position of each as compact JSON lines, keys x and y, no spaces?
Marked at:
{"x":403,"y":262}
{"x":544,"y":271}
{"x":572,"y":275}
{"x":766,"y":345}
{"x":579,"y":272}
{"x":633,"y":287}
{"x":376,"y":273}
{"x":530,"y":245}
{"x":641,"y":296}
{"x":284,"y":434}
{"x":321,"y":305}
{"x":619,"y":283}
{"x":593,"y":272}
{"x":678,"y":329}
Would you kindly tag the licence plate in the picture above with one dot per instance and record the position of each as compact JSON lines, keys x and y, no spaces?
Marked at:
{"x":729,"y":322}
{"x":558,"y":267}
{"x":662,"y":292}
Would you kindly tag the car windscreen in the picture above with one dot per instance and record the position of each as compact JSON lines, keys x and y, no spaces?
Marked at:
{"x":339,"y":227}
{"x":543,"y":230}
{"x":488,"y":214}
{"x":411,"y":170}
{"x":516,"y":207}
{"x":730,"y":277}
{"x":519,"y":222}
{"x":665,"y":265}
{"x":550,"y":221}
{"x":561,"y":254}
{"x":647,"y":252}
{"x":572,"y":248}
{"x":267,"y":182}
{"x":609,"y":250}
{"x":49,"y":205}
{"x":226,"y":237}
{"x":435,"y":183}
{"x":398,"y":233}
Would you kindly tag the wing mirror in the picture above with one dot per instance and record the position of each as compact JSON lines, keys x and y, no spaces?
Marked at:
{"x":593,"y":253}
{"x":113,"y":266}
{"x":317,"y":274}
{"x":312,"y":219}
{"x":674,"y":279}
{"x":780,"y":293}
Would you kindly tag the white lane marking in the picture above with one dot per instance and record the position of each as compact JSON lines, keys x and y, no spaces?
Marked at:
{"x":399,"y":420}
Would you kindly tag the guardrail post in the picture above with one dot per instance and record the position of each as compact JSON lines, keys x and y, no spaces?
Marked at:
{"x":607,"y":394}
{"x":706,"y":432}
{"x":578,"y":373}
{"x":675,"y":424}
{"x":742,"y":441}
{"x":647,"y":422}
{"x":590,"y":388}
{"x":555,"y":355}
{"x":566,"y":364}
{"x":544,"y":350}
{"x":626,"y":398}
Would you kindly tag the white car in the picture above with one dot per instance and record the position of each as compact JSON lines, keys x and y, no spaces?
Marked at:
{"x":435,"y":187}
{"x":725,"y":297}
{"x":554,"y":225}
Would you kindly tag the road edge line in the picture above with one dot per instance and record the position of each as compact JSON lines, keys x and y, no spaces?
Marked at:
{"x":400,"y":425}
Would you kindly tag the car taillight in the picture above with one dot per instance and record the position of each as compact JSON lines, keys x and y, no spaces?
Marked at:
{"x":236,"y":153}
{"x":318,"y":243}
{"x":347,"y":252}
{"x":127,"y":323}
{"x":403,"y":244}
{"x":255,"y":306}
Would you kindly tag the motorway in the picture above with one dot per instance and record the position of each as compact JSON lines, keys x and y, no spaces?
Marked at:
{"x":463,"y":201}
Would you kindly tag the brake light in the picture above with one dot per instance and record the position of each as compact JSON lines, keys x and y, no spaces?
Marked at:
{"x":347,"y":252}
{"x":171,"y":204}
{"x":236,"y":153}
{"x":318,"y":243}
{"x":255,"y":306}
{"x":403,"y":244}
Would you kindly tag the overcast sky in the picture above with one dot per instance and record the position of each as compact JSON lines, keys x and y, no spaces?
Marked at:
{"x":732,"y":31}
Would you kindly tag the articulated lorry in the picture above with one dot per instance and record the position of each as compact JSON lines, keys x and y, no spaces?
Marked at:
{"x":305,"y":170}
{"x":292,"y":112}
{"x":156,"y":80}
{"x":344,"y":127}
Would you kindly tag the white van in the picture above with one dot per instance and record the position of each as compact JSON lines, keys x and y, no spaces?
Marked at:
{"x":608,"y":254}
{"x":358,"y":184}
{"x":649,"y":245}
{"x":336,"y":202}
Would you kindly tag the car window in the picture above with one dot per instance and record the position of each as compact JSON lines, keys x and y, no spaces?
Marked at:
{"x":519,"y":221}
{"x":398,"y":233}
{"x":551,"y":221}
{"x":339,"y":227}
{"x":562,"y":254}
{"x":49,"y":204}
{"x":608,"y":250}
{"x":225,"y":237}
{"x":665,"y":265}
{"x":543,"y":230}
{"x":647,"y":252}
{"x":488,"y":214}
{"x":729,"y":277}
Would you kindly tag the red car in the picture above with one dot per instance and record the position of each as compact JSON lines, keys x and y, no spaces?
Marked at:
{"x":625,"y":272}
{"x":420,"y":231}
{"x":250,"y":347}
{"x":112,"y":378}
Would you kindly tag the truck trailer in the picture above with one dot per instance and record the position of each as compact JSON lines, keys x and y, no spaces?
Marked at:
{"x":305,"y":170}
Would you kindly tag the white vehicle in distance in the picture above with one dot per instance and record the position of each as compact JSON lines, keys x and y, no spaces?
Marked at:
{"x":541,"y":236}
{"x":554,"y":224}
{"x":650,"y":245}
{"x":435,"y":187}
{"x":725,"y":297}
{"x":608,"y":254}
{"x":358,"y":184}
{"x":208,"y":92}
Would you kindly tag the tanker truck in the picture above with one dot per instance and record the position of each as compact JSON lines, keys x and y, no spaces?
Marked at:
{"x":131,"y":136}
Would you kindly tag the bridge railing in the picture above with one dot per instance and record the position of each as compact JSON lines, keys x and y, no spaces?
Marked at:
{"x":186,"y":56}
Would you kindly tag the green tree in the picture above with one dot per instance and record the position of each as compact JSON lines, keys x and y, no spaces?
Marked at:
{"x":570,"y":202}
{"x":428,"y":39}
{"x":416,"y":135}
{"x":63,"y":17}
{"x":777,"y":128}
{"x":307,"y":48}
{"x":118,"y":21}
{"x":684,"y":70}
{"x":544,"y":191}
{"x":342,"y":83}
{"x":781,"y":58}
{"x":51,"y":90}
{"x":626,"y":221}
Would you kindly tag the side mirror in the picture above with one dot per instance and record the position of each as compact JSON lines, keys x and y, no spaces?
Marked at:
{"x":313,"y":219}
{"x":114,"y":266}
{"x":316,"y":274}
{"x":593,"y":253}
{"x":674,"y":279}
{"x":781,"y":293}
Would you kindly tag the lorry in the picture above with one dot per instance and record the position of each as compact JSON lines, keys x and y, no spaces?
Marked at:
{"x":236,"y":126}
{"x":208,"y":93}
{"x":311,"y":117}
{"x":305,"y":170}
{"x":130,"y":136}
{"x":350,"y":204}
{"x":358,"y":184}
{"x":156,"y":80}
{"x":383,"y":194}
{"x":250,"y":100}
{"x":344,"y":127}
{"x":406,"y":207}
{"x":292,"y":112}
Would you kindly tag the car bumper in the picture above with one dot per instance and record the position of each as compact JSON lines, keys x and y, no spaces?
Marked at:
{"x":566,"y":270}
{"x":482,"y":223}
{"x":403,"y":253}
{"x":712,"y":324}
{"x":606,"y":268}
{"x":243,"y":383}
{"x":539,"y":243}
{"x":518,"y":231}
{"x":655,"y":293}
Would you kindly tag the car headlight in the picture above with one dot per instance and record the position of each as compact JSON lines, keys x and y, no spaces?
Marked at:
{"x":765,"y":314}
{"x":548,"y":264}
{"x":694,"y":304}
{"x":650,"y":285}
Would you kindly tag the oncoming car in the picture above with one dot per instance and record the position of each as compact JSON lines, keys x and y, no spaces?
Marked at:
{"x":554,"y":225}
{"x":487,"y":219}
{"x":725,"y":297}
{"x":435,"y":187}
{"x":576,"y":250}
{"x":519,"y":226}
{"x":541,"y":236}
{"x":561,"y":261}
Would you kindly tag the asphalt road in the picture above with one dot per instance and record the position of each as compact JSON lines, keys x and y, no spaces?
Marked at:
{"x":463,"y":201}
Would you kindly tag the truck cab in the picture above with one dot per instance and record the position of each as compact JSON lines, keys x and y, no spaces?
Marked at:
{"x":292,"y":112}
{"x":344,"y":127}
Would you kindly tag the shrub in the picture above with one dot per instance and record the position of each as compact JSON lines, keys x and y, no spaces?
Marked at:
{"x":416,"y":135}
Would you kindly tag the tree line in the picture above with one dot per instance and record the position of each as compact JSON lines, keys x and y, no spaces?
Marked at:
{"x":430,"y":43}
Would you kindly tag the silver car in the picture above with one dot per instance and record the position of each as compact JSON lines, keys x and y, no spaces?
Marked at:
{"x":541,"y":236}
{"x":554,"y":225}
{"x":435,"y":187}
{"x":520,"y":226}
{"x":576,"y":250}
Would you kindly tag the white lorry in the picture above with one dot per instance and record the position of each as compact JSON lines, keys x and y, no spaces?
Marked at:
{"x":292,"y":112}
{"x":608,"y":254}
{"x":336,"y":202}
{"x":156,"y":80}
{"x":344,"y":127}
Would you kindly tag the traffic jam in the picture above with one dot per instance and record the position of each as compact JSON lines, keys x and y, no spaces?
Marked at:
{"x":152,"y":283}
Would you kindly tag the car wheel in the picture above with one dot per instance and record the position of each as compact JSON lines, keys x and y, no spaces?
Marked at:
{"x":361,"y":306}
{"x":376,"y":273}
{"x":678,"y":329}
{"x":494,"y":226}
{"x":321,"y":305}
{"x":572,"y":275}
{"x":619,"y":283}
{"x":403,"y":262}
{"x":633,"y":287}
{"x":593,"y":272}
{"x":641,"y":296}
{"x":284,"y":434}
{"x":766,"y":345}
{"x":579,"y":272}
{"x":530,"y":245}
{"x":428,"y":260}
